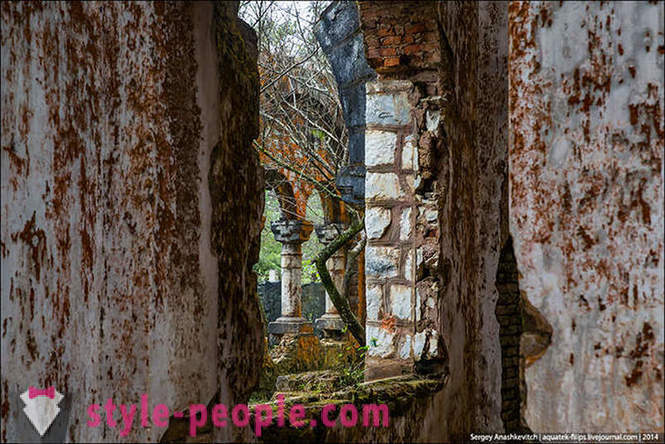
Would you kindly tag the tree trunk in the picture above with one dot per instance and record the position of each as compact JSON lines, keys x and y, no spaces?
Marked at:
{"x":340,"y":302}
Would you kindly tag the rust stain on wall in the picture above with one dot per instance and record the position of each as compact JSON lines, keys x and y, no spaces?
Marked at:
{"x":104,"y":289}
{"x":586,"y":177}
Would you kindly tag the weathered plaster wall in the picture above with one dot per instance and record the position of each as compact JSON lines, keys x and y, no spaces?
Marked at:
{"x":473,"y":185}
{"x":586,"y":175}
{"x":237,"y":191}
{"x":110,"y":285}
{"x":392,"y":243}
{"x":472,"y":188}
{"x":401,"y":217}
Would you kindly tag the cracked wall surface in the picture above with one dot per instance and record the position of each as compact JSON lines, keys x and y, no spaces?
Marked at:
{"x":111,"y":283}
{"x":586,"y":176}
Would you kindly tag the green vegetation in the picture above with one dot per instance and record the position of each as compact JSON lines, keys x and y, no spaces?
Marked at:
{"x":269,"y":255}
{"x":353,"y":374}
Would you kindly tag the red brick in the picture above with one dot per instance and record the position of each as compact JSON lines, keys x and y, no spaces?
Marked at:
{"x":418,"y":27}
{"x":392,"y":40}
{"x":372,"y":42}
{"x":413,"y":49}
{"x":391,"y":61}
{"x":384,"y":31}
{"x":387,"y":52}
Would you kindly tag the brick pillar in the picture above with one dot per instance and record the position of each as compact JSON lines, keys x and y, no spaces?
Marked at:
{"x":331,"y":323}
{"x":291,"y":234}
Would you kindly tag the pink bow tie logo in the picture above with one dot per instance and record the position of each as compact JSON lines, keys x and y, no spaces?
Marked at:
{"x":34,"y":392}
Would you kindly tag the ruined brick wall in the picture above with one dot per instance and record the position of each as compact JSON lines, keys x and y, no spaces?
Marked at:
{"x":586,"y":173}
{"x":401,"y":218}
{"x":586,"y":194}
{"x":111,"y":285}
{"x":400,"y":38}
{"x":459,"y":127}
{"x":390,"y":254}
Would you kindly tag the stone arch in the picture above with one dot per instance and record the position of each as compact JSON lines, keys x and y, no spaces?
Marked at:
{"x":280,"y":185}
{"x":334,"y":210}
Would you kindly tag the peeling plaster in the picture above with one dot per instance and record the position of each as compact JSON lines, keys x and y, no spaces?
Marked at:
{"x":586,"y":176}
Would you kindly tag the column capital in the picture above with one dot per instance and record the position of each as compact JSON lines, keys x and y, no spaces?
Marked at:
{"x":328,"y":232}
{"x":291,"y":231}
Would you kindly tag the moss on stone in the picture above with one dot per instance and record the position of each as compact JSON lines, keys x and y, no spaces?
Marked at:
{"x":405,"y":396}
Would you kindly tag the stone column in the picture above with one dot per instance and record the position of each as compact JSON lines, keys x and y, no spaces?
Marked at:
{"x":331,"y":323}
{"x":291,"y":234}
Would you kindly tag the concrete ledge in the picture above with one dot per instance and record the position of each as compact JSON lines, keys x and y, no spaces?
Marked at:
{"x":283,"y":326}
{"x":329,"y":323}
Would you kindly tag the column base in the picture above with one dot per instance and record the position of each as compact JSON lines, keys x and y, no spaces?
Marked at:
{"x":286,"y":325}
{"x":331,"y":325}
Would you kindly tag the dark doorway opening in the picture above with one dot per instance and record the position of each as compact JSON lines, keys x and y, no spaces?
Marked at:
{"x":510,"y":314}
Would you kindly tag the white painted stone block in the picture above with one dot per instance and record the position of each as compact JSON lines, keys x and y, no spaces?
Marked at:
{"x":381,"y":186}
{"x":379,"y":148}
{"x":408,"y":153}
{"x":381,"y":262}
{"x":408,"y":266}
{"x":432,"y":119}
{"x":433,"y":344}
{"x":373,"y":302}
{"x":419,"y":344}
{"x":431,"y":215}
{"x":405,"y":224}
{"x":405,"y":349}
{"x":377,"y":219}
{"x":388,"y":103}
{"x":400,"y":301}
{"x":380,"y":342}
